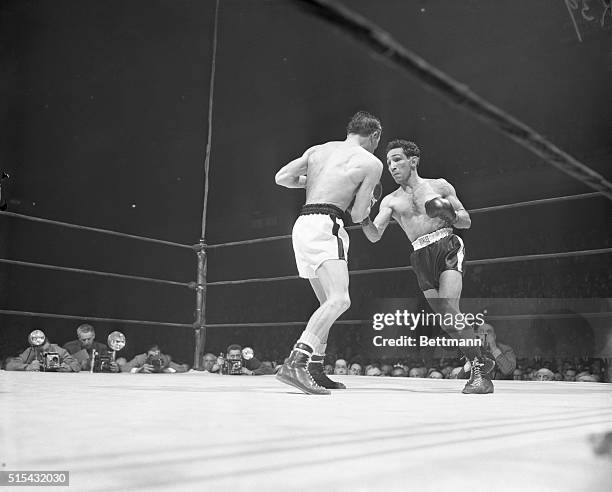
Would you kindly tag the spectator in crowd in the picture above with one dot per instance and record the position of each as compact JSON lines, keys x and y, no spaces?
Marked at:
{"x":446,"y":370}
{"x":209,"y":363}
{"x":455,"y":372}
{"x":355,"y":369}
{"x":34,"y":358}
{"x":435,"y":374}
{"x":517,"y":374}
{"x":587,"y":377}
{"x":153,"y":361}
{"x":82,"y":348}
{"x":417,"y":372}
{"x":597,"y":368}
{"x":505,"y":359}
{"x":328,"y":369}
{"x":544,"y":374}
{"x":242,"y":362}
{"x":398,"y":372}
{"x":569,"y":374}
{"x":373,"y":371}
{"x":529,"y":374}
{"x":340,"y":368}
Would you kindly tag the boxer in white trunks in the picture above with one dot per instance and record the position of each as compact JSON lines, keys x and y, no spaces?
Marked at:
{"x":336,"y":175}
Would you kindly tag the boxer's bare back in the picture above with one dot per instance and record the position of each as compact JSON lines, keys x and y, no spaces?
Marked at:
{"x":335,"y":172}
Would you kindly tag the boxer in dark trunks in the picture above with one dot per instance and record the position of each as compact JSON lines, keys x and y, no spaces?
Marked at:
{"x":427,"y":210}
{"x":336,"y":175}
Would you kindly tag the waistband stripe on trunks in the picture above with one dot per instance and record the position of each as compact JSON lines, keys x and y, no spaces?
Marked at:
{"x":430,"y":238}
{"x":323,"y":209}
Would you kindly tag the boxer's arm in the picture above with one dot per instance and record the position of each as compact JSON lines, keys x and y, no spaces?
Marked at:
{"x":293,"y":175}
{"x":463,"y":220}
{"x":361,"y":208}
{"x":373,"y":230}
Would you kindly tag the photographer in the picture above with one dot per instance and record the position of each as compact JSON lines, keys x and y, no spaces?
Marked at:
{"x":43,"y":356}
{"x":82,"y":349}
{"x":505,"y":359}
{"x":240,"y":361}
{"x":153,"y":361}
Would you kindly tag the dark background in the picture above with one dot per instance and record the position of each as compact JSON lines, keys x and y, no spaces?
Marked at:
{"x":104,"y":108}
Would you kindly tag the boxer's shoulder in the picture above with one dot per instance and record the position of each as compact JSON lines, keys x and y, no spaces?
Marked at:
{"x":440,"y":185}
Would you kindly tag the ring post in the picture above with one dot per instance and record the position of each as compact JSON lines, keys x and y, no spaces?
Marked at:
{"x":200,"y":322}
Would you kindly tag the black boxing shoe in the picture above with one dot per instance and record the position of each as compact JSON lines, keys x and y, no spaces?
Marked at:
{"x":315,"y":368}
{"x":479,"y":383}
{"x":295,"y":371}
{"x":487,"y":366}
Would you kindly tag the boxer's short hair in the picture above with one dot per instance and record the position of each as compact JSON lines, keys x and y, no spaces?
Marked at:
{"x":410,"y":149}
{"x":364,"y":124}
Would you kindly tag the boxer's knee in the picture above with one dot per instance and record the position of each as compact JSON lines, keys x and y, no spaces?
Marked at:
{"x":339,"y":303}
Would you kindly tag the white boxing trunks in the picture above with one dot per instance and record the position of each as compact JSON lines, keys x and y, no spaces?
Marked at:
{"x":318,"y":235}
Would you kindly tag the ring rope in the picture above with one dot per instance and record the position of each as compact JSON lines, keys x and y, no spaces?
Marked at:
{"x":482,"y":261}
{"x":474,"y":211}
{"x":387,"y":48}
{"x":500,"y":317}
{"x":284,"y":236}
{"x":540,"y":201}
{"x":286,"y":323}
{"x":92,"y":318}
{"x":95,"y":229}
{"x":44,"y":266}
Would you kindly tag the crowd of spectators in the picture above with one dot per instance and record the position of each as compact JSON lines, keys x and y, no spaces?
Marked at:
{"x":583,"y":370}
{"x":76,"y":356}
{"x":346,"y":355}
{"x":578,"y":370}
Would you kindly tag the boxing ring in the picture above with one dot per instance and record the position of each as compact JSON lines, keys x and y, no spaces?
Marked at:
{"x":197,"y":431}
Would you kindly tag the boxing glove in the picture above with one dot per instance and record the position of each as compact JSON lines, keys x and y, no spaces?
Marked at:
{"x":440,"y":207}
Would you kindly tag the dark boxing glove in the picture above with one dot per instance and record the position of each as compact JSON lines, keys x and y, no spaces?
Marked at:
{"x":440,"y":207}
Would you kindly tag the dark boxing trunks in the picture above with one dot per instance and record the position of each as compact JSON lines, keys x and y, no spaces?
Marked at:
{"x":433,"y":254}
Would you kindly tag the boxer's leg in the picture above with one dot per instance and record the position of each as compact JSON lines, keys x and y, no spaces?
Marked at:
{"x":317,"y":360}
{"x":315,"y":283}
{"x":446,"y":301}
{"x":319,"y":291}
{"x":334,"y":278}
